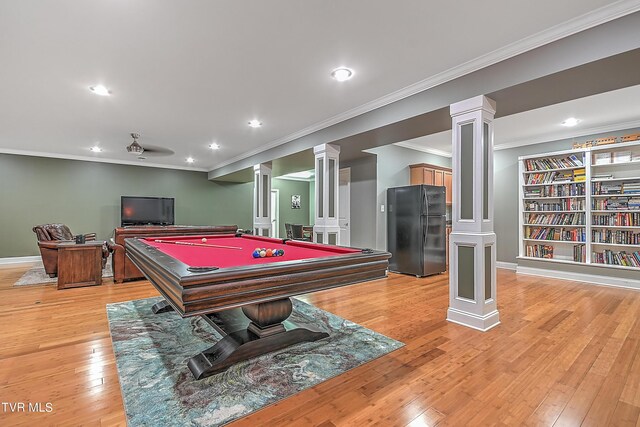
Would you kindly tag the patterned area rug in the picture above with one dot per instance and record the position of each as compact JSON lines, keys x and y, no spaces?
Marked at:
{"x":159,"y":390}
{"x":37,"y":276}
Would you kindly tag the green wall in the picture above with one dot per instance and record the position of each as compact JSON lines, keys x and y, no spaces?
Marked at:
{"x":288,"y":188}
{"x":86,"y":197}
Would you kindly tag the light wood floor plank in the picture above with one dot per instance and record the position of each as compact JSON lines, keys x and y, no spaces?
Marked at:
{"x":566,"y":353}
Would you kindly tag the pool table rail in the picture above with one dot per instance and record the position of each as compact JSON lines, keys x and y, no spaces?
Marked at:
{"x":197,"y":293}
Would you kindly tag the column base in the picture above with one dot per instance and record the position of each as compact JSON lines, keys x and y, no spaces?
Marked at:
{"x":481,"y":323}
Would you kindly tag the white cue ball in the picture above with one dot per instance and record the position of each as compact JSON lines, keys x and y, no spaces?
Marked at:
{"x":204,"y":240}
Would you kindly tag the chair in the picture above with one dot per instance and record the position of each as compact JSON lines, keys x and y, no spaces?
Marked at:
{"x":298,"y":232}
{"x":50,"y":236}
{"x":288,"y":228}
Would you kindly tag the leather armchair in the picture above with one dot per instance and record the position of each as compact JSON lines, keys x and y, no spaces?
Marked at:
{"x":50,"y":236}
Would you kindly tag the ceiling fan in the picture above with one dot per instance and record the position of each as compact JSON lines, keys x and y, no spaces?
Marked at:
{"x":149,"y":150}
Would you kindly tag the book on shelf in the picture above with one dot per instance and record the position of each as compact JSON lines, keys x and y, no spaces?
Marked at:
{"x":599,"y":176}
{"x":541,"y":164}
{"x":621,"y":157}
{"x":561,"y":205}
{"x":552,"y":233}
{"x":539,"y":251}
{"x":616,"y":258}
{"x":602,"y":158}
{"x":560,"y":190}
{"x":621,"y":219}
{"x":599,"y":188}
{"x":556,"y":219}
{"x":631,"y":187}
{"x":616,"y":237}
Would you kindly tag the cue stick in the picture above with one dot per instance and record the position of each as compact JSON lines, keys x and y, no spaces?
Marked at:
{"x":197,"y":244}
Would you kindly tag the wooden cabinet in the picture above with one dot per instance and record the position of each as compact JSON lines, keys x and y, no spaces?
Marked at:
{"x":423,"y":173}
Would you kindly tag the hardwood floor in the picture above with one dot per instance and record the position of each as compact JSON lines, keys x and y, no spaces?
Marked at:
{"x":565,"y":354}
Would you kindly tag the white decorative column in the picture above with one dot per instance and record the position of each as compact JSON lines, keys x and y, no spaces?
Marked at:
{"x":472,"y":267}
{"x":326,"y":228}
{"x":262,"y":199}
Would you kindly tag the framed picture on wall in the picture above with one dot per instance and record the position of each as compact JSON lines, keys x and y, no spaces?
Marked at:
{"x":295,"y":201}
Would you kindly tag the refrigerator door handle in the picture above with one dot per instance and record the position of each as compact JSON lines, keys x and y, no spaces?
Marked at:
{"x":425,"y":207}
{"x":424,"y":231}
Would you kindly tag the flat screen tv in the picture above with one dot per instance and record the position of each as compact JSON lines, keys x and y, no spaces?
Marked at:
{"x":146,"y":211}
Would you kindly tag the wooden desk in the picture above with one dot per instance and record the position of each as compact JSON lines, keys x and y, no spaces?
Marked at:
{"x":79,"y":264}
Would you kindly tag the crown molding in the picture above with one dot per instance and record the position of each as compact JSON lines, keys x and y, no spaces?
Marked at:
{"x":568,"y":134}
{"x":434,"y":151}
{"x":557,"y":32}
{"x":93,"y":159}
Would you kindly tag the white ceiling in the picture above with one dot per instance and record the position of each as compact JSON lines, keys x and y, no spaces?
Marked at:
{"x":185,"y":74}
{"x":604,"y":112}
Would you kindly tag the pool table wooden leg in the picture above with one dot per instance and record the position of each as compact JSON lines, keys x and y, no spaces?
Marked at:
{"x":262,"y":332}
{"x":244,"y":345}
{"x":161,"y":307}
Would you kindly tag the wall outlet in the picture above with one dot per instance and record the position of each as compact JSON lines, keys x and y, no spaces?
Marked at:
{"x":381,"y":208}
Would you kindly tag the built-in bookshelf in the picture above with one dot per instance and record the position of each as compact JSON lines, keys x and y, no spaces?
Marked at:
{"x":582,"y":206}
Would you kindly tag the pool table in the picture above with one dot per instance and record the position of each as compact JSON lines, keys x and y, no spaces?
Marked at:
{"x":245,"y":298}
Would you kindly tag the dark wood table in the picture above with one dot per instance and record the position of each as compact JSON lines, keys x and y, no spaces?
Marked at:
{"x":245,"y":298}
{"x":79,"y":264}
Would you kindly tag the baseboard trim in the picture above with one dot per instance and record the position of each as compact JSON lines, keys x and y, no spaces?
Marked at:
{"x":474,"y":321}
{"x":507,"y":265}
{"x":614,"y":282}
{"x":19,"y":260}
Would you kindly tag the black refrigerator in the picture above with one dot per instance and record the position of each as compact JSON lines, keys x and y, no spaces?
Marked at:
{"x":416,"y":229}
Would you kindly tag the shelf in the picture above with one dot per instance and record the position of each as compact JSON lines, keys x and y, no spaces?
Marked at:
{"x":631,"y":178}
{"x":549,"y":197}
{"x":620,"y":267}
{"x":622,"y":227}
{"x":615,"y":244}
{"x":620,"y":145}
{"x":560,"y":261}
{"x":550,"y":212}
{"x":554,"y":170}
{"x":556,"y":241}
{"x":616,"y":164}
{"x":563,"y":261}
{"x":596,"y":174}
{"x":613,"y":211}
{"x":554,"y":183}
{"x":555,"y":225}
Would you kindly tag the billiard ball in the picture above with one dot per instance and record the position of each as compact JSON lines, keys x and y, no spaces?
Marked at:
{"x":204,"y":240}
{"x":263,"y":254}
{"x":269,"y":252}
{"x":256,"y":254}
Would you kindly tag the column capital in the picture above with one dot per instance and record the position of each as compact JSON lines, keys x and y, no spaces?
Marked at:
{"x":326,"y":148}
{"x":261,"y":166}
{"x":473,"y":104}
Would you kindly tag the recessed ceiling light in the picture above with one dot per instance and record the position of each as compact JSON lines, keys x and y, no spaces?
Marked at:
{"x":96,"y":149}
{"x":214,"y":146}
{"x":190,"y":160}
{"x":342,"y":74}
{"x":255,"y":123}
{"x":100,"y":90}
{"x":571,"y":121}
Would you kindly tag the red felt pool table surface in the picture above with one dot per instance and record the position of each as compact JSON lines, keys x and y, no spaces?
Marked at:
{"x":206,"y":256}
